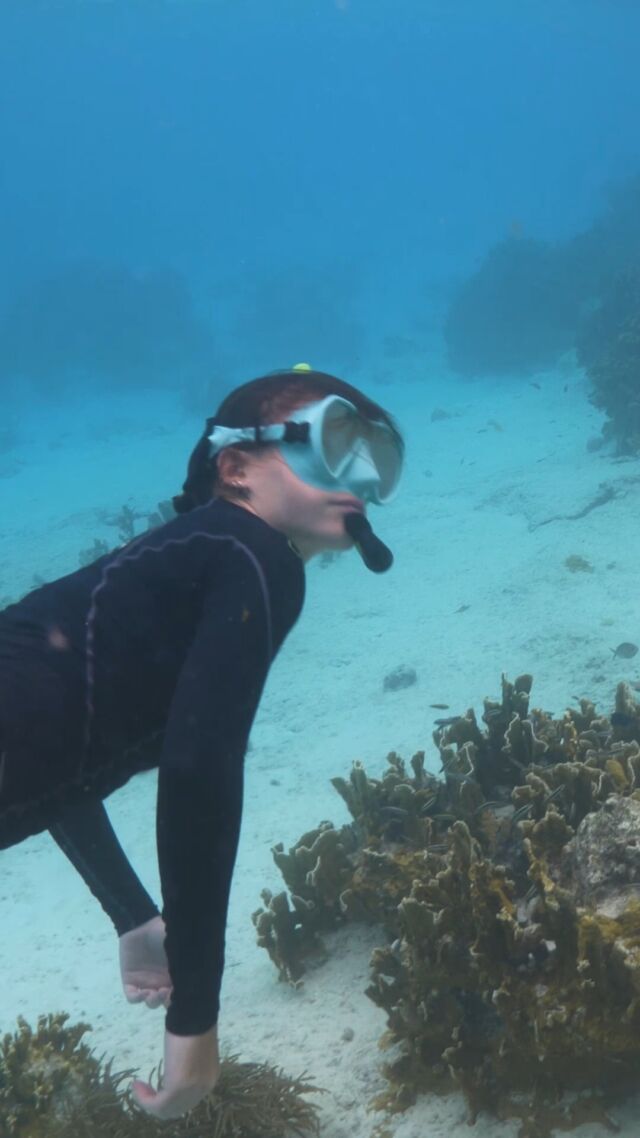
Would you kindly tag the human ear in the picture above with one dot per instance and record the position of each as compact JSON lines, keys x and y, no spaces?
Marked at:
{"x":232,"y":474}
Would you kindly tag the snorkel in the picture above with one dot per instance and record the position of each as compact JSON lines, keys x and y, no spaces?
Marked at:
{"x":376,"y":555}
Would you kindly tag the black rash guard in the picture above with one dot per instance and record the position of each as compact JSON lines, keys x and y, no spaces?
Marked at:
{"x":154,"y":655}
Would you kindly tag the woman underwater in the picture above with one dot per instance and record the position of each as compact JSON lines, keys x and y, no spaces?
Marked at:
{"x":156,"y":656}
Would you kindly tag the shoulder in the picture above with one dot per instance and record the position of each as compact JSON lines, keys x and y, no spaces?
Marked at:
{"x":250,"y":545}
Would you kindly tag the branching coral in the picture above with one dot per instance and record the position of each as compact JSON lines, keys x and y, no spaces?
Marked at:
{"x":510,"y":889}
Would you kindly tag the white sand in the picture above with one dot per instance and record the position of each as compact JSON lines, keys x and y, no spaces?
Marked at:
{"x":463,"y":531}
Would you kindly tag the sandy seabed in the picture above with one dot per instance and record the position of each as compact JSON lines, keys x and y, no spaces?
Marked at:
{"x":479,"y":588}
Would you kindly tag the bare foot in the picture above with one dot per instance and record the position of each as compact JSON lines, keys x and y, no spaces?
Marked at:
{"x":143,"y":965}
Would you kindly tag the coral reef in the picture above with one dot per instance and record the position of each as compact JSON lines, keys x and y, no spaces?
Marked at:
{"x":530,"y":302}
{"x":315,"y":871}
{"x":517,"y":313}
{"x":48,"y":1076}
{"x":96,"y":322}
{"x":53,"y":1086}
{"x":510,"y":892}
{"x":609,"y":349}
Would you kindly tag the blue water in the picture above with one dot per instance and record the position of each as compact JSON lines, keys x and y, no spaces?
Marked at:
{"x":359,"y":156}
{"x":194,"y":192}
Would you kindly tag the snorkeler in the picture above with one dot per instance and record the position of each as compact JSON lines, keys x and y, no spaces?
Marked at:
{"x":156,"y":655}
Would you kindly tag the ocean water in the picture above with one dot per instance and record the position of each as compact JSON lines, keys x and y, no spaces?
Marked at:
{"x":433,"y":199}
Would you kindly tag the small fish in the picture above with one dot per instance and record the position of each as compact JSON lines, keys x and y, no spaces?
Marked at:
{"x":554,"y":794}
{"x":495,"y":805}
{"x":522,"y":812}
{"x":536,"y":385}
{"x":440,"y":706}
{"x":463,"y":608}
{"x":626,"y":650}
{"x":447,"y":722}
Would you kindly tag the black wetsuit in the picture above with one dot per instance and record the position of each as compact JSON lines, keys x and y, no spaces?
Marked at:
{"x":154,"y":655}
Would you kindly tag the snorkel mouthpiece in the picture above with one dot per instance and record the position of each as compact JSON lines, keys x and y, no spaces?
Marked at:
{"x":376,"y":555}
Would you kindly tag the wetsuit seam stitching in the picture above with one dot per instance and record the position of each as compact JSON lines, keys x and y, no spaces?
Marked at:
{"x":123,"y":558}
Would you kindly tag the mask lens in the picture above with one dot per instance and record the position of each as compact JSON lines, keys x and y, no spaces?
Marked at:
{"x":386,"y":457}
{"x":343,"y":428}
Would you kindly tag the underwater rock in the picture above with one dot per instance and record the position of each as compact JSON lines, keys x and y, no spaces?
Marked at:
{"x":603,"y":859}
{"x":575,"y":563}
{"x":400,"y":677}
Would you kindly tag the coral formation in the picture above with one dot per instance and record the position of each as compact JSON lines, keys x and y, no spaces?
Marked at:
{"x":510,"y":891}
{"x":53,"y":1086}
{"x":609,"y":349}
{"x":314,"y":870}
{"x":517,"y":313}
{"x":530,"y":302}
{"x":97,"y":322}
{"x":48,"y":1076}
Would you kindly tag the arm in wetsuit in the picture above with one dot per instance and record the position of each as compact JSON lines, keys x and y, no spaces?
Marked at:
{"x":200,"y":781}
{"x":200,"y":786}
{"x":84,"y":833}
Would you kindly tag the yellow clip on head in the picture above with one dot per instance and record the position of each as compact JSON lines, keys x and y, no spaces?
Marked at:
{"x":302,"y":367}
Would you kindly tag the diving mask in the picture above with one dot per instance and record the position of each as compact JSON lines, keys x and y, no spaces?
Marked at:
{"x":343,"y":449}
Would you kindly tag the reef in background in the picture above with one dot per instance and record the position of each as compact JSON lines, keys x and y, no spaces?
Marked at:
{"x":53,"y":1086}
{"x":510,"y":892}
{"x":517,"y":313}
{"x":609,"y":350}
{"x":100,"y":323}
{"x":529,"y":302}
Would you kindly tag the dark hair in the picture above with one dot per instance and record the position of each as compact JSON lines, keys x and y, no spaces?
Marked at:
{"x":259,"y":402}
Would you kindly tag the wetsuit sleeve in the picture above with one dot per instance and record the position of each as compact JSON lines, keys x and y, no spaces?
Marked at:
{"x":200,"y":785}
{"x":84,"y":833}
